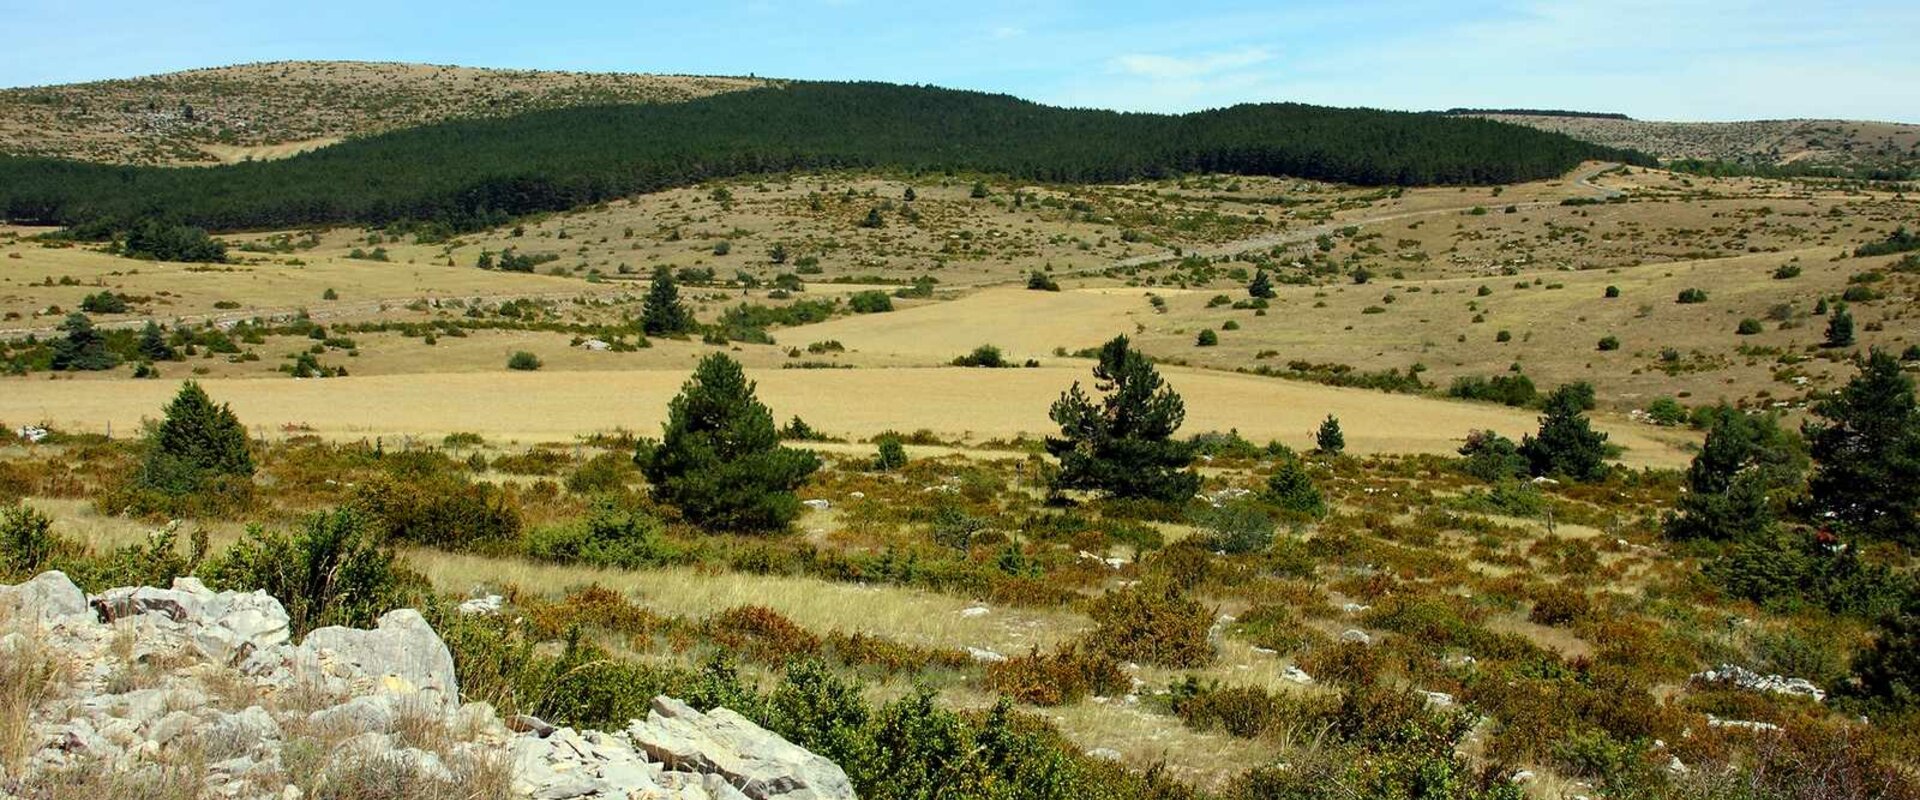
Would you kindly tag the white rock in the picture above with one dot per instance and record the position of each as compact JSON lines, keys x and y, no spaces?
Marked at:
{"x":1356,"y":636}
{"x":973,"y":611}
{"x":985,"y":656}
{"x":49,"y":598}
{"x":1104,"y":754}
{"x":1296,"y":674}
{"x":816,"y":504}
{"x":403,"y":652}
{"x":489,"y":604}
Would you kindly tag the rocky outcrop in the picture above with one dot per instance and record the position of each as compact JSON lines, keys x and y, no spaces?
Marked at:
{"x":1755,"y":682}
{"x":156,"y":686}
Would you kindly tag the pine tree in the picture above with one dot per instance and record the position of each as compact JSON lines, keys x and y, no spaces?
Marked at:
{"x":1867,"y":446}
{"x":197,"y":441}
{"x":1747,"y":463}
{"x":1567,"y":444}
{"x":663,"y":314}
{"x":1889,"y":672}
{"x":1840,"y":328}
{"x":1123,"y":445}
{"x":720,"y":460}
{"x":83,"y":348}
{"x":1262,"y":286}
{"x":153,"y":343}
{"x":1328,"y":438}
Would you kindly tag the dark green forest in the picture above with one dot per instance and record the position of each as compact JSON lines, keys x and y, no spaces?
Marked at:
{"x":474,"y":173}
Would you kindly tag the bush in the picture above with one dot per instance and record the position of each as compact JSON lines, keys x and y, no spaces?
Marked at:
{"x":195,"y":443}
{"x":872,"y":301}
{"x":1512,"y":390}
{"x":1690,"y":296}
{"x":1328,"y":438}
{"x":440,"y":512}
{"x":1491,"y":457}
{"x":611,"y":535}
{"x":985,"y":355}
{"x":104,"y":302}
{"x":1292,"y":490}
{"x":892,"y":455}
{"x":762,"y":634}
{"x":605,"y":472}
{"x":332,"y":571}
{"x":1786,"y":272}
{"x":1236,"y":527}
{"x":1748,"y":326}
{"x":1609,"y":343}
{"x":524,"y":361}
{"x":1042,"y":282}
{"x":720,"y":460}
{"x":1889,"y":671}
{"x":1155,"y":626}
{"x":27,"y":542}
{"x":1567,"y":445}
{"x":1057,"y":679}
{"x":1613,"y":291}
{"x":1559,"y":605}
{"x":83,"y":348}
{"x":1668,"y":412}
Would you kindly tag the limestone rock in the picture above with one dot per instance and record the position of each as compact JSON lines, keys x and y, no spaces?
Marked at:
{"x":403,"y":652}
{"x":49,"y":598}
{"x":758,"y":762}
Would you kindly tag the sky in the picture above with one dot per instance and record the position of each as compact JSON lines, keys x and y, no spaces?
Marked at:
{"x":1678,"y":60}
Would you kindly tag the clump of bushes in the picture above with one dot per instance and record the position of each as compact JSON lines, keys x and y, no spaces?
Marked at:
{"x":1065,"y":676}
{"x":1153,"y":625}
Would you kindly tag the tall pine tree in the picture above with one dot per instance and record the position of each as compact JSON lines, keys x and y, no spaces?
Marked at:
{"x":1867,"y":445}
{"x":1123,"y":445}
{"x":720,"y":460}
{"x":83,"y":347}
{"x":663,"y":314}
{"x":1742,"y":475}
{"x":196,"y":442}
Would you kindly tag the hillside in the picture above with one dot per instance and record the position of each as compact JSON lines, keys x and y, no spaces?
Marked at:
{"x":475,"y":173}
{"x":259,"y":111}
{"x":1847,"y":144}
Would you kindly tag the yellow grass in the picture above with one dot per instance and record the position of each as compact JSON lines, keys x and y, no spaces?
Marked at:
{"x":908,"y":615}
{"x":554,"y":406}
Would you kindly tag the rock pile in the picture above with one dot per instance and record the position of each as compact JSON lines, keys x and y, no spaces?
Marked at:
{"x":1756,"y":682}
{"x":207,"y":693}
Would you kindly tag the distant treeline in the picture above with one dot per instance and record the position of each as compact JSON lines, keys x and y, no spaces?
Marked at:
{"x":1538,"y":112}
{"x":477,"y":173}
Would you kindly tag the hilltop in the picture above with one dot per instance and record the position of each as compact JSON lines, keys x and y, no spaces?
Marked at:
{"x":1832,"y":143}
{"x":277,"y":109}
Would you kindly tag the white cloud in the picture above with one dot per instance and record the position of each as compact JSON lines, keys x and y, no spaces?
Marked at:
{"x":1008,"y":32}
{"x":1171,"y":68}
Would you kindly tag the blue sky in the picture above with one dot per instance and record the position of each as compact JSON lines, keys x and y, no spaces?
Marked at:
{"x":1708,"y":60}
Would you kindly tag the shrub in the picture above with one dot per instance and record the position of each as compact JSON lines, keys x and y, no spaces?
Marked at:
{"x":985,"y":355}
{"x":83,"y":348}
{"x":762,"y":634}
{"x":1566,"y":445}
{"x":1559,"y":605}
{"x":1839,"y":328}
{"x":1512,"y":390}
{"x":605,"y":472}
{"x":1207,"y":338}
{"x":1889,"y":672}
{"x":1786,"y":272}
{"x":1236,"y":527}
{"x":891,"y":455}
{"x":332,"y":571}
{"x":720,"y":460}
{"x":1060,"y":678}
{"x":872,"y":301}
{"x":1609,"y":343}
{"x":1292,"y":490}
{"x":104,"y":302}
{"x":440,"y":512}
{"x":662,"y":313}
{"x":1667,"y":411}
{"x":612,"y":534}
{"x":1748,"y":326}
{"x":1689,"y":296}
{"x":1152,"y":626}
{"x":27,"y":541}
{"x":524,"y":361}
{"x":1042,"y":282}
{"x":1491,"y":457}
{"x":1613,"y":291}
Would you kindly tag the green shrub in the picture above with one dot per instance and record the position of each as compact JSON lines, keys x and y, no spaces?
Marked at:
{"x":605,"y":472}
{"x":333,"y":570}
{"x":1786,"y":272}
{"x":1042,"y":282}
{"x":524,"y":361}
{"x":1207,"y":338}
{"x":1748,"y":326}
{"x":872,"y":301}
{"x":612,"y":534}
{"x":1609,"y":343}
{"x":1328,"y":438}
{"x":445,"y":512}
{"x":1689,"y":296}
{"x":1235,"y":527}
{"x":1155,"y":626}
{"x":1566,"y":444}
{"x":892,"y":455}
{"x":1291,"y":489}
{"x":27,"y":542}
{"x":196,"y":442}
{"x":985,"y":355}
{"x":1124,"y":445}
{"x":1612,"y":292}
{"x":1060,"y":678}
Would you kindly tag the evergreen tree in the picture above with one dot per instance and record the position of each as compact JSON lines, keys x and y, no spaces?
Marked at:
{"x":1291,"y":489}
{"x":83,"y":347}
{"x":1889,"y":672}
{"x":1123,"y":445}
{"x":197,"y":441}
{"x":720,"y":460}
{"x":153,"y":343}
{"x":1567,"y":443}
{"x":873,"y":219}
{"x":1737,"y":481}
{"x":663,"y":314}
{"x":1262,"y":286}
{"x":1867,"y":445}
{"x":1840,"y":327}
{"x":1328,"y":438}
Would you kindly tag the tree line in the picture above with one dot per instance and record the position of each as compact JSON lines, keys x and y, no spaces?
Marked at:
{"x":472,"y":174}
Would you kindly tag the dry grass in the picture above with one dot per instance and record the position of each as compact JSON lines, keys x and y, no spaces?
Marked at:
{"x":30,"y":674}
{"x":911,"y":616}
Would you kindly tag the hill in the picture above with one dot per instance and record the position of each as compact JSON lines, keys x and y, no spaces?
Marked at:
{"x":259,"y":111}
{"x":473,"y":173}
{"x":1807,"y":143}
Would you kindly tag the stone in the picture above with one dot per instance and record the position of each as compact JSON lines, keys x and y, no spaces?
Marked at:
{"x":758,"y":762}
{"x":404,"y":647}
{"x":816,"y":504}
{"x":1296,"y":674}
{"x":366,"y":713}
{"x":1770,"y":684}
{"x":528,"y":723}
{"x":974,"y":611}
{"x":1356,"y":636}
{"x":1104,"y":754}
{"x":122,"y":603}
{"x":49,"y":598}
{"x":489,"y":604}
{"x":984,"y":655}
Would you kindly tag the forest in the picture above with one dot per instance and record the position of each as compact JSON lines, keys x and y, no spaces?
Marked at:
{"x":475,"y":173}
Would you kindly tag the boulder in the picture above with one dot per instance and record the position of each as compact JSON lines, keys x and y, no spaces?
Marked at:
{"x":758,"y":762}
{"x":403,"y":654}
{"x":49,"y":598}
